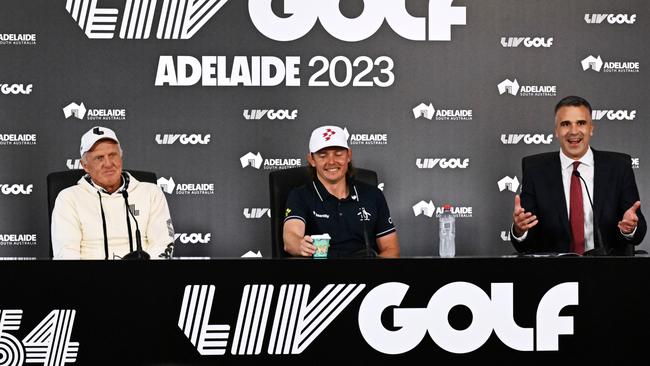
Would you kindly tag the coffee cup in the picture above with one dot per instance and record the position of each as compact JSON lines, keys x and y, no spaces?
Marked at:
{"x":322,"y":244}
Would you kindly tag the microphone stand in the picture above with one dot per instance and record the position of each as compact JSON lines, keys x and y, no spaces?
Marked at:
{"x":138,"y":253}
{"x":599,"y":248}
{"x":368,"y":252}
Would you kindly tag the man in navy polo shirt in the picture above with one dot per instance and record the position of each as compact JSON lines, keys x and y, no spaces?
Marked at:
{"x":336,"y":204}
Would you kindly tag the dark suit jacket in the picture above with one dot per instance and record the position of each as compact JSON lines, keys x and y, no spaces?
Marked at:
{"x":542,"y":193}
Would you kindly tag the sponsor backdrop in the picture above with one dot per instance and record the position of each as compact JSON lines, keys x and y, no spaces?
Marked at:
{"x":441,"y":98}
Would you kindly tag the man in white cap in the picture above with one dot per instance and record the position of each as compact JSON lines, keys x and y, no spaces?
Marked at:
{"x":91,"y":220}
{"x":334,"y":203}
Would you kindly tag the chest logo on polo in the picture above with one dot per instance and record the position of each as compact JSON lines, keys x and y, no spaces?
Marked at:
{"x":363,"y":214}
{"x":321,"y":216}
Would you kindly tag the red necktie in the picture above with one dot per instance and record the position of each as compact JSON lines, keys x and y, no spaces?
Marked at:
{"x":576,"y":213}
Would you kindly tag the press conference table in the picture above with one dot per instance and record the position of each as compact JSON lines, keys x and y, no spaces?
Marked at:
{"x":373,"y":311}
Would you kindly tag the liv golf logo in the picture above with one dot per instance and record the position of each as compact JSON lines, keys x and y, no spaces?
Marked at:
{"x":192,"y":238}
{"x":185,"y":20}
{"x":183,"y":139}
{"x":16,"y":189}
{"x":527,"y":138}
{"x":15,"y":89}
{"x":535,"y":42}
{"x":74,"y":164}
{"x":175,"y":22}
{"x":610,"y":18}
{"x":513,"y":88}
{"x":443,"y":163}
{"x":256,"y":213}
{"x":298,"y":319}
{"x":613,"y":115}
{"x":271,"y":114}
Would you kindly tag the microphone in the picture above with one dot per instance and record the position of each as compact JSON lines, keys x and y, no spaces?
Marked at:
{"x":599,"y":248}
{"x":138,"y":253}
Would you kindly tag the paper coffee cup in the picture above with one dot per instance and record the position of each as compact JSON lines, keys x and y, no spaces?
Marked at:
{"x":322,"y":244}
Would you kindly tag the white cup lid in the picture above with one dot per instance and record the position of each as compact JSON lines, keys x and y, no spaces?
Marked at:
{"x":322,"y":236}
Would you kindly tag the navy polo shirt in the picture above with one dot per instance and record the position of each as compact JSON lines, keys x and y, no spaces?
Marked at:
{"x":342,"y":219}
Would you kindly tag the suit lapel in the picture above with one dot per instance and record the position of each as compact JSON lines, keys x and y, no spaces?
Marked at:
{"x":600,"y":180}
{"x":557,"y":187}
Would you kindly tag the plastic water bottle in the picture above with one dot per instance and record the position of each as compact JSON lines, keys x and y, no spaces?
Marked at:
{"x":447,"y":233}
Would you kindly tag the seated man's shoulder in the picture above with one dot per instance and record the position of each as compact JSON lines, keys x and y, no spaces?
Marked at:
{"x":70,"y":192}
{"x":147,"y":186}
{"x":143,"y":186}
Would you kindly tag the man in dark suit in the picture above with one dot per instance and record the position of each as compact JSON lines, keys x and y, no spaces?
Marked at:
{"x":554,"y":213}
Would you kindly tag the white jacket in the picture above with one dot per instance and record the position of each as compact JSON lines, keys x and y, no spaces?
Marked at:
{"x":77,"y":231}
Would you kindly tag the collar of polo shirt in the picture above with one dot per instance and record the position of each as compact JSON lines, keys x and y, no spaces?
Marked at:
{"x":324,"y":194}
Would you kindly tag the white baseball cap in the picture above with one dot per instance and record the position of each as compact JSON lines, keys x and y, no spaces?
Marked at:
{"x":327,"y":136}
{"x":93,"y":135}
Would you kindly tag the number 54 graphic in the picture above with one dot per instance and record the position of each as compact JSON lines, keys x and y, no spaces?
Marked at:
{"x":48,"y":343}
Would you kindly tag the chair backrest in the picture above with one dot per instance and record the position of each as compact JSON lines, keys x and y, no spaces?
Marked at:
{"x":281,"y":182}
{"x":58,"y":181}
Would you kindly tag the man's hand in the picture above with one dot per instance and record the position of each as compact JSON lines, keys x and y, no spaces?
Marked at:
{"x":296,"y":242}
{"x":630,"y":219}
{"x":523,"y":221}
{"x":307,"y":248}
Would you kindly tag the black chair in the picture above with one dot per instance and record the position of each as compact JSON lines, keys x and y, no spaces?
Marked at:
{"x":58,"y":181}
{"x":281,"y":182}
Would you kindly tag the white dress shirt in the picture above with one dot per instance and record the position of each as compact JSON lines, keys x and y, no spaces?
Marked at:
{"x":586,"y":169}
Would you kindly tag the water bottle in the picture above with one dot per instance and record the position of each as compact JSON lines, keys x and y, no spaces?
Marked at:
{"x":447,"y":233}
